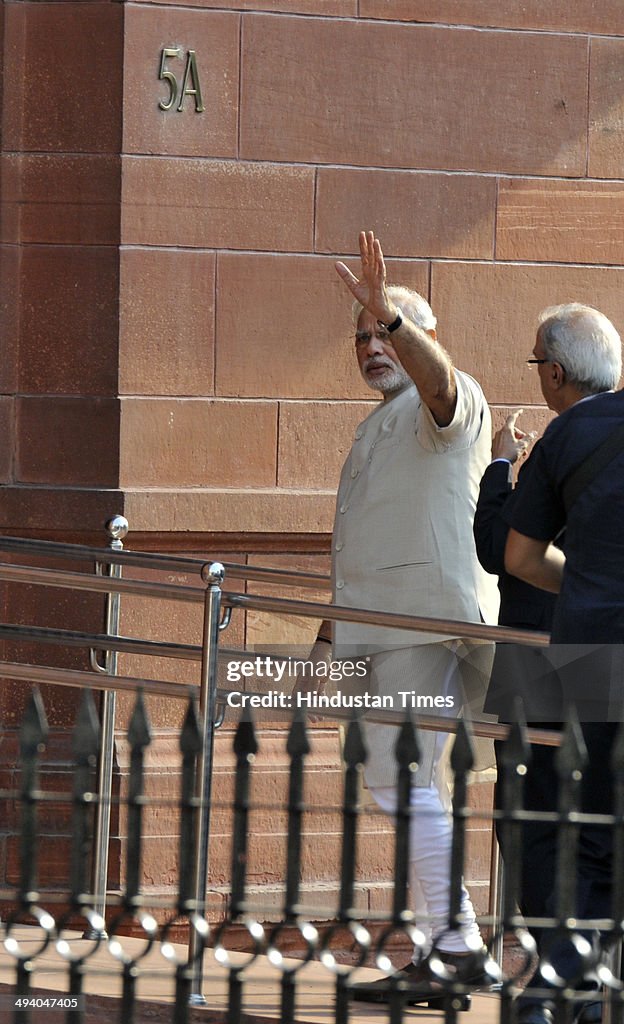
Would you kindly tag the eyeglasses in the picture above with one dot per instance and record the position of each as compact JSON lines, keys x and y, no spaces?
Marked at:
{"x":362,"y":338}
{"x":539,"y":362}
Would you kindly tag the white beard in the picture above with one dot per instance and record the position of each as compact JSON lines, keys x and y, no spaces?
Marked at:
{"x":394,"y":379}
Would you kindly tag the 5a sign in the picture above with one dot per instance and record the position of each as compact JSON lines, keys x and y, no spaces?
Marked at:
{"x":189,"y":85}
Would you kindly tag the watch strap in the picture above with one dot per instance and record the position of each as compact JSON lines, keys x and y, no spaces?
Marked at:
{"x":396,"y":323}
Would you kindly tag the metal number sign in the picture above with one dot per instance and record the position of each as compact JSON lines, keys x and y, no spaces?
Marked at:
{"x":189,"y":86}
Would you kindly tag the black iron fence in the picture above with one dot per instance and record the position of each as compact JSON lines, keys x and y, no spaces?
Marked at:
{"x":584,"y":945}
{"x":53,"y":925}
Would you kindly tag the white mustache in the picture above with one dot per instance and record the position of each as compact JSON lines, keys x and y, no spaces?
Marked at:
{"x":377,"y":364}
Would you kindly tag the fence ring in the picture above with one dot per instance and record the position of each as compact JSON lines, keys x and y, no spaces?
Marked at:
{"x":480,"y":954}
{"x":605,"y":975}
{"x":96,"y":923}
{"x":413,"y":933}
{"x":528,"y":947}
{"x":222,"y":954}
{"x":308,"y":933}
{"x":578,"y":946}
{"x":146,"y":922}
{"x":167,"y":948}
{"x":362,"y":938}
{"x":44,"y":920}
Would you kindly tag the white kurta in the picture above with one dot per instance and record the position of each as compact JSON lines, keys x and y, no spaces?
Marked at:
{"x":403,"y":542}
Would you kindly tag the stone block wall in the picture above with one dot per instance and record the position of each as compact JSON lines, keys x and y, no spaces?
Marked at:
{"x":174,"y":329}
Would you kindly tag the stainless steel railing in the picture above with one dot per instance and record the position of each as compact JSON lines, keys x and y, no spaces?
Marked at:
{"x":117,"y":528}
{"x":153,"y":560}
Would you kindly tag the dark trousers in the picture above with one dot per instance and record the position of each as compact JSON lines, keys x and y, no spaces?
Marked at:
{"x":537,"y":897}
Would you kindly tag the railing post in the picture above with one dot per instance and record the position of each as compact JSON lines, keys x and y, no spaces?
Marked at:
{"x":117,"y":528}
{"x":213,"y":574}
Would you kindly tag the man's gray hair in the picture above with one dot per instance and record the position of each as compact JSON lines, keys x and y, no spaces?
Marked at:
{"x":411,"y":303}
{"x":585,"y":343}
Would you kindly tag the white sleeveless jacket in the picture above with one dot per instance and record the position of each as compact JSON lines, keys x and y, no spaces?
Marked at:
{"x":402,"y":538}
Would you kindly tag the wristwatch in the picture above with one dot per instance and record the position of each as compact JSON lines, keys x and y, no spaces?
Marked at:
{"x":396,"y":323}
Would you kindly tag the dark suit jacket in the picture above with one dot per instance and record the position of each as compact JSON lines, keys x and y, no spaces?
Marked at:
{"x":521,"y":604}
{"x":518,"y":670}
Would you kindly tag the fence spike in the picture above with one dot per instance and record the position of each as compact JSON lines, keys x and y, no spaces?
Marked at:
{"x":34,"y":729}
{"x":139,"y":734}
{"x":245,"y":742}
{"x":354,"y":755}
{"x":571,"y":757}
{"x":407,"y":747}
{"x":462,"y":754}
{"x":191,"y":741}
{"x":617,"y":752}
{"x":191,"y":734}
{"x":86,"y":733}
{"x":245,"y":748}
{"x":298,"y":744}
{"x":355,"y":751}
{"x":617,"y":764}
{"x":516,"y":750}
{"x":33,"y":732}
{"x":514,"y":756}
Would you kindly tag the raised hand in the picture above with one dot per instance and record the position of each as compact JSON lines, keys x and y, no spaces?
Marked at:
{"x":510,"y":442}
{"x":370,"y":288}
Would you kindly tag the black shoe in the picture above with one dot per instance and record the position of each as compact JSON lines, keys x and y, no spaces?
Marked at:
{"x":422,"y":984}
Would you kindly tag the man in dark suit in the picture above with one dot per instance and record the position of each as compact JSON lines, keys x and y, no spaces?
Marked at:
{"x":521,"y":671}
{"x":518,"y":670}
{"x":581,"y":359}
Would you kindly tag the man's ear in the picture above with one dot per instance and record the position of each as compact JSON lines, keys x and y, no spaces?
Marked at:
{"x":557,"y":374}
{"x":431,"y":331}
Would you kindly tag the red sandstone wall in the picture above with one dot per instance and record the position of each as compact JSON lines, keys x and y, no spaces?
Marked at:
{"x":478,"y":155}
{"x":181,"y":338}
